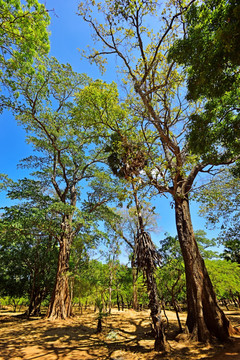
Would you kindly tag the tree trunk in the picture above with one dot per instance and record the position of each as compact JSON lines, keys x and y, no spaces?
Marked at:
{"x":110,"y":292}
{"x":14,"y":305}
{"x":122,"y":302}
{"x":205,"y":318}
{"x":226,"y":304}
{"x":35,"y":302}
{"x":177,"y":314}
{"x":154,"y":305}
{"x":60,"y":306}
{"x":118,"y":302}
{"x":134,"y":279}
{"x":71,"y":289}
{"x":164,"y":311}
{"x":80,"y":306}
{"x":37,"y":305}
{"x":99,"y":325}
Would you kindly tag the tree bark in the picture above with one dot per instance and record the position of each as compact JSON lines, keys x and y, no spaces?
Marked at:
{"x":110,"y":292}
{"x":154,"y":305}
{"x":118,"y":302}
{"x":122,"y":302}
{"x":99,"y":325}
{"x":177,"y":314}
{"x":36,"y":297}
{"x":60,"y":306}
{"x":205,"y":319}
{"x":134,"y":280}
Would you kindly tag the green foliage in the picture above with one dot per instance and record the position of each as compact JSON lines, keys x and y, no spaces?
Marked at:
{"x":232,"y":245}
{"x":159,"y":113}
{"x":215,"y":133}
{"x":204,"y":243}
{"x":93,"y":281}
{"x":220,"y":198}
{"x":153,"y":144}
{"x":68,"y":143}
{"x":210,"y":51}
{"x":219,"y":202}
{"x":225,"y":277}
{"x":4,"y":181}
{"x":142,"y":293}
{"x":23,"y":38}
{"x":171,"y":275}
{"x":69,"y":154}
{"x":210,"y":48}
{"x":28,"y":248}
{"x":14,"y":302}
{"x":123,"y":283}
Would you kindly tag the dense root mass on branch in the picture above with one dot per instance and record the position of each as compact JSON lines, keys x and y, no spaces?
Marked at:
{"x":147,"y":256}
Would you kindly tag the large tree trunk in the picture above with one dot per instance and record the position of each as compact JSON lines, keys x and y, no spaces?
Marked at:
{"x":205,"y":319}
{"x":60,"y":306}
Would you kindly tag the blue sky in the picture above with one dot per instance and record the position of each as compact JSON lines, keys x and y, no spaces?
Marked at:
{"x":69,"y":33}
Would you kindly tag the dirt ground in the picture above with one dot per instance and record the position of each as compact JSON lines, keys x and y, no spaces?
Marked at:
{"x":125,"y":336}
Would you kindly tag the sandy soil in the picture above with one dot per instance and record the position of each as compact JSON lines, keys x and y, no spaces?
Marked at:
{"x":125,"y":336}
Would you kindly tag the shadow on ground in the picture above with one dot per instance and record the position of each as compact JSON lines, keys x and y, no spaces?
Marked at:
{"x":125,"y":336}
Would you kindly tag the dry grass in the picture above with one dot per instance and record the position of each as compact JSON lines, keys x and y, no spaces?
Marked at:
{"x":125,"y":336}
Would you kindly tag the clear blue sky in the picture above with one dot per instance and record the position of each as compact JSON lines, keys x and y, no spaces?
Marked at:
{"x":69,"y":33}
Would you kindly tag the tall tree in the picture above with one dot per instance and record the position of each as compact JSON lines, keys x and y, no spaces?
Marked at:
{"x":156,"y":142}
{"x":66,"y":157}
{"x":122,"y":161}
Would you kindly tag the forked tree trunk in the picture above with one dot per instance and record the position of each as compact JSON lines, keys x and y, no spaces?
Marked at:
{"x":205,"y":319}
{"x":60,"y":306}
